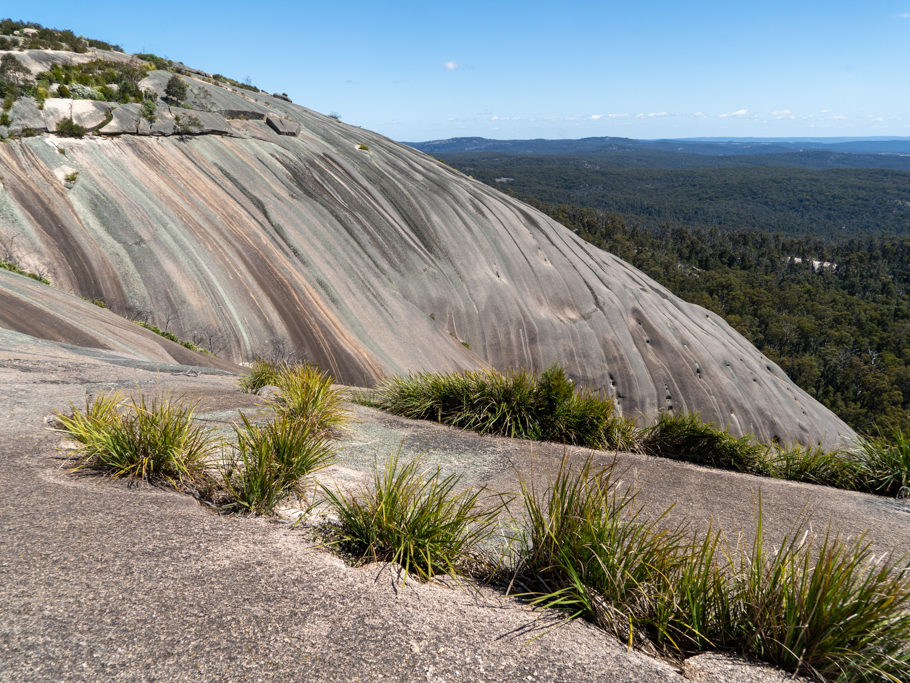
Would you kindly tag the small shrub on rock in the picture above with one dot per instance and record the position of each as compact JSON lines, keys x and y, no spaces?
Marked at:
{"x":68,"y":128}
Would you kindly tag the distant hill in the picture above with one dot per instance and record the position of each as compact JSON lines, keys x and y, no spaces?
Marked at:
{"x":826,"y":151}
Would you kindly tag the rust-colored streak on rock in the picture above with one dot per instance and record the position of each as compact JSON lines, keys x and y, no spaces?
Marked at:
{"x":42,"y":198}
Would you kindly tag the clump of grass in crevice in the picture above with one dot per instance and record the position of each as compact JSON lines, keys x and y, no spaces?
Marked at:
{"x":423,"y":523}
{"x":589,"y":550}
{"x":834,"y":611}
{"x":685,"y":436}
{"x":269,"y":461}
{"x":305,"y":393}
{"x":884,"y":463}
{"x":262,"y":373}
{"x":517,"y":404}
{"x":153,"y":439}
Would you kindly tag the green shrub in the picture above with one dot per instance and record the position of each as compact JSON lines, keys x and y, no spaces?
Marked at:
{"x":149,"y":110}
{"x":67,"y":128}
{"x":176,"y":88}
{"x":363,"y":147}
{"x":423,"y":524}
{"x":155,"y":440}
{"x":269,"y":461}
{"x":685,"y":436}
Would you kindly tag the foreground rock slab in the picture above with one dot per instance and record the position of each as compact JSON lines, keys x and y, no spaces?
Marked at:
{"x":107,"y":581}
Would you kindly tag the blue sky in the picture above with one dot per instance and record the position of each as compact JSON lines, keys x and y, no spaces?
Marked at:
{"x":649,"y":69}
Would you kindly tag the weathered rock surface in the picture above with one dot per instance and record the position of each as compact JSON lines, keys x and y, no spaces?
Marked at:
{"x":371,"y":264}
{"x":89,"y":114}
{"x":124,"y":119}
{"x":282,"y":126}
{"x":194,"y":122}
{"x":24,"y":115}
{"x":36,"y":309}
{"x":713,"y":667}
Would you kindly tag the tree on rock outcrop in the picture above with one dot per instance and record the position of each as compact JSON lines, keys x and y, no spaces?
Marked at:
{"x":175,"y":89}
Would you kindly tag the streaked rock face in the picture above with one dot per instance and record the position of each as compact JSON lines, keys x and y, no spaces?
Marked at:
{"x":369,"y":262}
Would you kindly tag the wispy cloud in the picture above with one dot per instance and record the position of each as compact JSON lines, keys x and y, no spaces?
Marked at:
{"x":450,"y":66}
{"x":596,"y":117}
{"x":657,"y":114}
{"x":738,"y":113}
{"x":904,"y":15}
{"x":700,"y":115}
{"x":618,"y":116}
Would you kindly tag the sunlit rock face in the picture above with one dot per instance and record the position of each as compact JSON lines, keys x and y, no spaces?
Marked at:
{"x":263,"y":227}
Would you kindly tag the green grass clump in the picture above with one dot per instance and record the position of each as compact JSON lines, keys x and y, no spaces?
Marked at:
{"x":152,"y":439}
{"x":306,"y":393}
{"x":589,"y":550}
{"x":685,"y":436}
{"x":269,"y":462}
{"x":835,"y":612}
{"x":422,"y":523}
{"x":518,"y":404}
{"x":262,"y":373}
{"x":884,"y":463}
{"x":816,"y":466}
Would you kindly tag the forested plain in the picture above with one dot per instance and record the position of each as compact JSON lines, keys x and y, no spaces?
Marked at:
{"x":811,"y":265}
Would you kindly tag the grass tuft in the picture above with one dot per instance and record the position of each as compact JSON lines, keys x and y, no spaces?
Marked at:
{"x":816,"y":466}
{"x":269,"y":461}
{"x":152,"y":439}
{"x":306,"y":393}
{"x":262,"y":373}
{"x":517,"y":404}
{"x":588,"y":549}
{"x":685,"y":436}
{"x":885,"y":463}
{"x":834,"y":611}
{"x":422,"y":523}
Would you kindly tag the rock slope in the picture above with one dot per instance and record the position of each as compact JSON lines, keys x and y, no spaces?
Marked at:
{"x":267,"y":227}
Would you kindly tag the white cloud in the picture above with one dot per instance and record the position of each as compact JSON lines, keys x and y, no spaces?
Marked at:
{"x":878,"y":119}
{"x":700,"y":115}
{"x":737,"y":113}
{"x":618,"y":116}
{"x":904,"y":15}
{"x":839,"y":117}
{"x":450,"y":66}
{"x":657,"y":114}
{"x":596,"y":117}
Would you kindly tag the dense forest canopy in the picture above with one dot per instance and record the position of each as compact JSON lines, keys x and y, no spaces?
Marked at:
{"x":812,"y":266}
